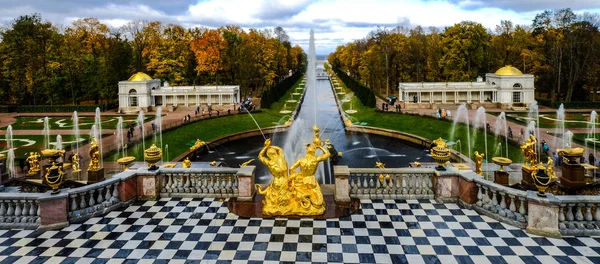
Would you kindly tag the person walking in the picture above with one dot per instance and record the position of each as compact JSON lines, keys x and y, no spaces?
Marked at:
{"x":592,"y":159}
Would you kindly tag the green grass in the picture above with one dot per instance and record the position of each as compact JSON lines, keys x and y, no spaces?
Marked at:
{"x":29,"y":143}
{"x":580,"y":138}
{"x":209,"y":129}
{"x":548,"y":120}
{"x":427,"y":127}
{"x":66,"y":122}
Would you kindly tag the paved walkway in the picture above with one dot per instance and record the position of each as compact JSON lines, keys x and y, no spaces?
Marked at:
{"x":382,"y":231}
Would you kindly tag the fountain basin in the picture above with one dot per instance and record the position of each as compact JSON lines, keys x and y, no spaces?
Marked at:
{"x":291,"y":101}
{"x":296,"y":94}
{"x":285,"y":111}
{"x":125,"y":161}
{"x":344,"y":101}
{"x":351,"y":111}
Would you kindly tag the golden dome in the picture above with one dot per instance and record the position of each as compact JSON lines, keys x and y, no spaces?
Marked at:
{"x":140,"y":77}
{"x":508,"y":70}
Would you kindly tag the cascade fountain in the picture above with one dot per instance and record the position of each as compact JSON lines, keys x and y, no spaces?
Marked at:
{"x":119,"y":139}
{"x":560,"y":128}
{"x":158,"y":126}
{"x":591,"y":135}
{"x":76,"y":131}
{"x":498,"y":126}
{"x":463,"y":113}
{"x":98,"y":133}
{"x":10,"y":155}
{"x":568,"y":139}
{"x":58,"y":144}
{"x":46,"y":133}
{"x":480,"y":121}
{"x":140,"y":123}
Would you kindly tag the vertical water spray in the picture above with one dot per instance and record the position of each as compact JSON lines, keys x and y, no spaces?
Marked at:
{"x":462,"y":113}
{"x":119,"y":139}
{"x":140,"y":123}
{"x":46,"y":133}
{"x":98,"y":133}
{"x":311,"y":73}
{"x":568,"y":139}
{"x":480,"y":120}
{"x":10,"y":155}
{"x":158,"y":126}
{"x":592,"y":130}
{"x":76,"y":131}
{"x":58,"y":144}
{"x":534,"y":114}
{"x":501,"y":124}
{"x":560,"y":116}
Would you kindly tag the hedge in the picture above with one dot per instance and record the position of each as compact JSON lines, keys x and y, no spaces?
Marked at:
{"x":569,"y":105}
{"x":273,"y":94}
{"x":364,"y":94}
{"x":48,"y":108}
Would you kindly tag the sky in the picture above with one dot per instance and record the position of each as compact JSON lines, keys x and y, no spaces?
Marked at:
{"x":335,"y":22}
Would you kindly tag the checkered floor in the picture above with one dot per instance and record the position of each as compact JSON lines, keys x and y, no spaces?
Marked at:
{"x":202,"y":231}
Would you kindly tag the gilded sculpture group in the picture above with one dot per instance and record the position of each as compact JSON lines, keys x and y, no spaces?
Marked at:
{"x":293,"y":192}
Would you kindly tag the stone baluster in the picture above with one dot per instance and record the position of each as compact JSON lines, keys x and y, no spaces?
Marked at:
{"x":107,"y":195}
{"x":512,"y":208}
{"x":502,"y":204}
{"x":192,"y":182}
{"x":588,"y":216}
{"x":186,"y":187}
{"x":196,"y":184}
{"x":167,"y":187}
{"x":597,"y":213}
{"x":115,"y":193}
{"x":180,"y":184}
{"x":33,"y":210}
{"x":228,"y":185}
{"x":74,"y":203}
{"x":236,"y":191}
{"x":411,"y":184}
{"x":223,"y":184}
{"x":24,"y":211}
{"x":211,"y":179}
{"x":522,"y":211}
{"x":405,"y":184}
{"x":479,"y":196}
{"x":2,"y":211}
{"x":92,"y":201}
{"x":18,"y":211}
{"x":372,"y":189}
{"x":561,"y":217}
{"x":204,"y":183}
{"x":494,"y":208}
{"x":10,"y":212}
{"x":363,"y":184}
{"x":353,"y":187}
{"x":579,"y":215}
{"x":398,"y":181}
{"x":174,"y":183}
{"x":486,"y":198}
{"x":101,"y":192}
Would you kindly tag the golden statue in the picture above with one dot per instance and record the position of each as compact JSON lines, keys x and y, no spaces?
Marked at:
{"x":528,"y":149}
{"x":34,"y":163}
{"x":478,"y":162}
{"x":277,"y":195}
{"x":298,"y":193}
{"x":550,"y":170}
{"x":199,"y":143}
{"x":246,"y":163}
{"x":186,"y":163}
{"x":381,"y":176}
{"x":94,"y":155}
{"x":213,"y":163}
{"x":75,"y":163}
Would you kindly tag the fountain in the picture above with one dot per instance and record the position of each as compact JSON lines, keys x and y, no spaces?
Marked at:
{"x":158,"y":126}
{"x":501,"y":124}
{"x":560,"y":128}
{"x":480,"y":121}
{"x":291,"y":100}
{"x":568,"y":139}
{"x":76,"y":131}
{"x":463,"y":113}
{"x":98,"y":132}
{"x":591,"y":135}
{"x":58,"y":144}
{"x":351,"y":111}
{"x":498,"y":150}
{"x":285,"y":110}
{"x":46,"y":133}
{"x":119,"y":141}
{"x":530,"y":130}
{"x":140,"y":123}
{"x":534,"y":115}
{"x":10,"y":156}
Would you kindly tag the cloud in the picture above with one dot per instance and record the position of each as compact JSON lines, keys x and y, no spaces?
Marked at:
{"x":335,"y":22}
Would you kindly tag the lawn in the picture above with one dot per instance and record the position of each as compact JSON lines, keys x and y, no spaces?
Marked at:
{"x":66,"y":122}
{"x":581,"y":139}
{"x":547,"y":120}
{"x":28,"y":143}
{"x":427,"y":127}
{"x":209,"y":129}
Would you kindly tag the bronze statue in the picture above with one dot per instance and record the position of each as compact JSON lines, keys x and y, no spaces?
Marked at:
{"x":94,"y":155}
{"x":34,"y":163}
{"x":478,"y":162}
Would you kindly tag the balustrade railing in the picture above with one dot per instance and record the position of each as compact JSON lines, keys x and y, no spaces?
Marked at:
{"x":501,"y":203}
{"x":579,"y":215}
{"x":19,"y":210}
{"x":93,"y":200}
{"x":218,"y":183}
{"x":391,"y":183}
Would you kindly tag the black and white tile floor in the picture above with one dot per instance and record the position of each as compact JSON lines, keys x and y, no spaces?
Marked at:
{"x":202,"y":231}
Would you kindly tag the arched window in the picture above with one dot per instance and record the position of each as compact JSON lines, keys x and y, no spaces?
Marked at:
{"x":493,"y":83}
{"x":133,"y":100}
{"x":517,"y":85}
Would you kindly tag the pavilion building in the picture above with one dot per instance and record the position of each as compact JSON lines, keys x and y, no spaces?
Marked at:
{"x":141,"y":92}
{"x":506,"y":88}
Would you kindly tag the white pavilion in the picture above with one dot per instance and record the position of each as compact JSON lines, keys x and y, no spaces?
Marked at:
{"x":141,"y":92}
{"x":507,"y":88}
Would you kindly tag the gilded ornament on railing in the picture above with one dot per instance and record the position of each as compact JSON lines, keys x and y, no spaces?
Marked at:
{"x":550,"y":170}
{"x":152,"y":155}
{"x":213,"y":163}
{"x":186,"y":163}
{"x":541,"y":179}
{"x":246,"y":163}
{"x":478,"y":162}
{"x":34,"y":163}
{"x":381,"y":176}
{"x":125,"y":161}
{"x":198,"y":144}
{"x":529,"y":155}
{"x":54,"y":177}
{"x":298,"y":193}
{"x":571,"y":155}
{"x":440,"y":153}
{"x":94,"y":155}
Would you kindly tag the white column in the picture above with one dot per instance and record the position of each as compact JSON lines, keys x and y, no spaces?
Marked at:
{"x":444,"y":97}
{"x":187,"y":100}
{"x":220,"y":99}
{"x":469,"y":96}
{"x":174,"y":100}
{"x":480,"y":96}
{"x":164,"y":100}
{"x":197,"y":99}
{"x":455,"y":97}
{"x":419,"y":97}
{"x":431,"y":97}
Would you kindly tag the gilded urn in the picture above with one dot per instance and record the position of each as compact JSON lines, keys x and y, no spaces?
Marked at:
{"x":54,"y":177}
{"x":152,"y":155}
{"x":541,"y":179}
{"x":440,"y":153}
{"x":125,"y":161}
{"x":52,"y":154}
{"x":571,"y":154}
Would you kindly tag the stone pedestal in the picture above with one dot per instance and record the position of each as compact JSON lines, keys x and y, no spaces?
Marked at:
{"x":147,"y":187}
{"x":246,"y":183}
{"x":501,"y":177}
{"x":94,"y":176}
{"x":573,"y":176}
{"x":526,"y":179}
{"x":542,"y":215}
{"x":342,"y":186}
{"x":54,"y":211}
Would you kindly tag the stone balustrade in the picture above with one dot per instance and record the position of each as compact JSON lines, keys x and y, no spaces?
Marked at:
{"x":391,"y":183}
{"x":93,"y":200}
{"x":502,"y":203}
{"x":217,"y":182}
{"x":579,"y":215}
{"x":19,"y":210}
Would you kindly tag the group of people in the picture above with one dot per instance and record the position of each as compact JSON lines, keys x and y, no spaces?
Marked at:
{"x":385,"y":107}
{"x":440,"y":113}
